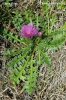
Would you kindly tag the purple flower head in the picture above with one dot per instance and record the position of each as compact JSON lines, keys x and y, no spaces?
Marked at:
{"x":29,"y":31}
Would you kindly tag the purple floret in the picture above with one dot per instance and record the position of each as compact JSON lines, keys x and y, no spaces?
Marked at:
{"x":29,"y":31}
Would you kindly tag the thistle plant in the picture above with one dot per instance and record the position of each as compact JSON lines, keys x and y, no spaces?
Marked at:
{"x":30,"y":45}
{"x":33,"y":53}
